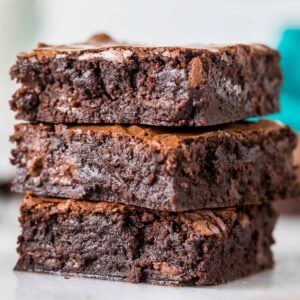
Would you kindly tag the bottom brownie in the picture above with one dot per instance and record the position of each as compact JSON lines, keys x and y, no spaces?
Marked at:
{"x":119,"y":242}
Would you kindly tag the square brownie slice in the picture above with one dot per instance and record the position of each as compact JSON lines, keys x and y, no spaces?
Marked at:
{"x":162,"y":168}
{"x":102,"y":81}
{"x":119,"y":242}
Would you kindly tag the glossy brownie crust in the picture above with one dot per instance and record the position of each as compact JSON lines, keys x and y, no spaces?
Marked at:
{"x":102,"y":81}
{"x":164,"y":169}
{"x":117,"y":242}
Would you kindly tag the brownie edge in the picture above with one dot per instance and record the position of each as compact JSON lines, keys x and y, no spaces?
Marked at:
{"x":119,"y":242}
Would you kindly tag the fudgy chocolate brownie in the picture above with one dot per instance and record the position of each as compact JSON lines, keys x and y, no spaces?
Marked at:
{"x":292,"y":206}
{"x":118,"y":242}
{"x":102,"y":81}
{"x":159,"y":168}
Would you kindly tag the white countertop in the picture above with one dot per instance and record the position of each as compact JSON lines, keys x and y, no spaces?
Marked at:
{"x":283,"y":282}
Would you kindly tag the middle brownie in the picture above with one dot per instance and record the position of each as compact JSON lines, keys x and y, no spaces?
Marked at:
{"x":164,"y":169}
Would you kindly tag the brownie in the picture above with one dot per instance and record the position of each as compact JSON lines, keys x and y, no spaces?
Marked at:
{"x":289,"y":207}
{"x":119,"y":242}
{"x":158,"y":168}
{"x":102,"y":81}
{"x":292,"y":206}
{"x":5,"y":185}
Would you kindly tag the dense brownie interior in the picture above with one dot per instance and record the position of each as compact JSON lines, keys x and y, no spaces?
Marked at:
{"x":118,"y":242}
{"x":165,"y":169}
{"x":292,"y":205}
{"x":102,"y":81}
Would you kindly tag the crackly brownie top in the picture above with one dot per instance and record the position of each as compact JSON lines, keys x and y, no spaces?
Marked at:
{"x":166,"y":138}
{"x":204,"y":221}
{"x":171,"y":137}
{"x":57,"y":205}
{"x":103,"y":46}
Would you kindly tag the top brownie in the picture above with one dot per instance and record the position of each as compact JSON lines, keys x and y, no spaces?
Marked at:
{"x":102,"y":81}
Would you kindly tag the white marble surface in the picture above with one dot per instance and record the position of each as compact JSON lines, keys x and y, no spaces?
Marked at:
{"x":283,"y":282}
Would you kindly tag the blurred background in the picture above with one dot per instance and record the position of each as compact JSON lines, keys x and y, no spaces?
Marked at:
{"x":25,"y":22}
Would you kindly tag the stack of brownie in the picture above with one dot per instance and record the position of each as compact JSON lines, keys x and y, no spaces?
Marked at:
{"x":136,"y":165}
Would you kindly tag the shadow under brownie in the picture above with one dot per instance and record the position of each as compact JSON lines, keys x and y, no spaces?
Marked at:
{"x":119,"y":242}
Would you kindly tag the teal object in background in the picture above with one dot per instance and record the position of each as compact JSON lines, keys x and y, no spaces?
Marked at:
{"x":289,"y":48}
{"x":289,"y":111}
